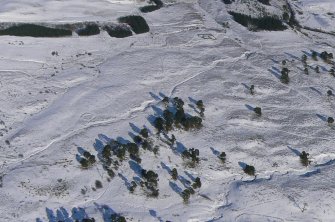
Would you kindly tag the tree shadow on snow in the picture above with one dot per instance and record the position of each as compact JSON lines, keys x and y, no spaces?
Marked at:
{"x":295,"y":151}
{"x":273,"y":72}
{"x":322,"y":117}
{"x":134,"y":128}
{"x":215,"y":152}
{"x":315,"y":90}
{"x":242,"y":165}
{"x":249,"y":107}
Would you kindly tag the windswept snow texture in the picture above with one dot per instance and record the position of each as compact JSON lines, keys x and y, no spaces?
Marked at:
{"x":95,"y":88}
{"x":317,"y":14}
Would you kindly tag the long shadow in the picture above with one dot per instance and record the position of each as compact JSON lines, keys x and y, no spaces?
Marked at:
{"x":184,"y":181}
{"x":106,"y":211}
{"x":134,"y":128}
{"x":292,"y":56}
{"x":249,"y":107}
{"x":322,"y":117}
{"x":125,"y":180}
{"x":275,"y":61}
{"x":315,"y":90}
{"x":151,"y":119}
{"x":165,"y":167}
{"x":175,"y":187}
{"x":136,"y":168}
{"x":215,"y":152}
{"x":277,"y":75}
{"x":153,"y":213}
{"x":189,"y":175}
{"x":131,"y":135}
{"x":78,"y":214}
{"x":98,"y":145}
{"x":295,"y":151}
{"x":246,"y":86}
{"x":307,"y":53}
{"x":180,"y":148}
{"x":275,"y":69}
{"x":154,"y":96}
{"x":192,"y":100}
{"x":122,"y":140}
{"x":242,"y":165}
{"x":158,"y":111}
{"x":51,"y":216}
{"x":162,"y":95}
{"x":81,"y":150}
{"x":104,"y":138}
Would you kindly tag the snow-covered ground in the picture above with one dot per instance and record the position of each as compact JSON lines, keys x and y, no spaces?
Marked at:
{"x":317,"y":14}
{"x":100,"y":87}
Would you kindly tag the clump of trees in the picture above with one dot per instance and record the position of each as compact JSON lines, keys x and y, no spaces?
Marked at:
{"x":87,"y":160}
{"x":177,"y":118}
{"x":304,"y":158}
{"x":186,"y":194}
{"x":327,"y":57}
{"x":192,"y":154}
{"x":329,"y":93}
{"x":150,"y":182}
{"x":117,"y":218}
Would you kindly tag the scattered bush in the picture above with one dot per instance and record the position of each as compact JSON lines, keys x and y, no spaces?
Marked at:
{"x":332,"y":72}
{"x":35,"y":31}
{"x":330,"y":120}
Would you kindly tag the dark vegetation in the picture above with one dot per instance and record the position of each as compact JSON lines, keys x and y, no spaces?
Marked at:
{"x":118,"y":31}
{"x":257,"y":24}
{"x":304,"y":158}
{"x":35,"y":31}
{"x":250,"y":170}
{"x":137,"y":23}
{"x":157,"y":4}
{"x":88,"y":30}
{"x":265,"y":2}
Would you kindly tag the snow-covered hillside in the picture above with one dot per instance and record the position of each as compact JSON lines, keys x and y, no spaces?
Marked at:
{"x":97,"y":88}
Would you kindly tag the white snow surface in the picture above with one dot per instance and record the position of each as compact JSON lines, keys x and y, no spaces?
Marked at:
{"x":51,"y":105}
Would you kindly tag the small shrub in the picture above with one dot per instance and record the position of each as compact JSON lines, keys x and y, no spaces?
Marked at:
{"x":330,"y":120}
{"x":329,"y":93}
{"x":304,"y":158}
{"x":174,"y":174}
{"x":197,"y":183}
{"x":250,"y":170}
{"x":117,"y":218}
{"x":222,"y":157}
{"x":314,"y":55}
{"x":306,"y":71}
{"x":98,"y":184}
{"x":252,"y":89}
{"x":159,"y":124}
{"x":332,"y":72}
{"x":258,"y":111}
